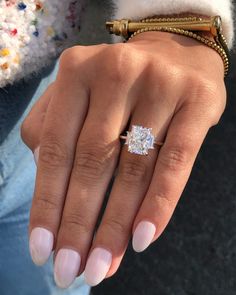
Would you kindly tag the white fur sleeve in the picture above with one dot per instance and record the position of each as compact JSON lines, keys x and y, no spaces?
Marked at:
{"x":135,"y":9}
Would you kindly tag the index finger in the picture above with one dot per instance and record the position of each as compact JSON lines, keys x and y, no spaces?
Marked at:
{"x":66,"y":111}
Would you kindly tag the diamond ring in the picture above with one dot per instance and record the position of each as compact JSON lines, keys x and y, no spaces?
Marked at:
{"x":140,"y":140}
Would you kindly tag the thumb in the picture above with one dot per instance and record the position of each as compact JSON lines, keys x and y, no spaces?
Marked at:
{"x":31,"y":128}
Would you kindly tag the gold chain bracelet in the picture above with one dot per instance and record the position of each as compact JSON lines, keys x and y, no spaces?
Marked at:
{"x":186,"y":26}
{"x":195,"y":36}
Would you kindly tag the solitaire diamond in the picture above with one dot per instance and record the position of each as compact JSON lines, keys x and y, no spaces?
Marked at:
{"x":140,"y":140}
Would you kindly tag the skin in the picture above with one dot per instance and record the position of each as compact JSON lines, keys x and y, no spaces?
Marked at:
{"x":171,"y":83}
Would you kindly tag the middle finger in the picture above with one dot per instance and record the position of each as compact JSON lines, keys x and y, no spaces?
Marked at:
{"x":98,"y":148}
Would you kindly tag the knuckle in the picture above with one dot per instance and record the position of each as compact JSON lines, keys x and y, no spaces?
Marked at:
{"x":49,"y":203}
{"x":161,"y":72}
{"x":53,"y":153}
{"x":176,"y":158}
{"x":132,"y":172}
{"x":93,"y":160}
{"x":25,"y":130}
{"x":217,"y":105}
{"x":76,"y":222}
{"x":163,"y":199}
{"x":170,"y":72}
{"x":215,"y":120}
{"x":71,"y":58}
{"x":201,"y":86}
{"x":213,"y":115}
{"x":115,"y":225}
{"x":207,"y":87}
{"x":210,"y":93}
{"x":121,"y":67}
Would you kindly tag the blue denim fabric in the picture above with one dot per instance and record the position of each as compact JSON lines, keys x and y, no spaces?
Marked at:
{"x":18,"y":275}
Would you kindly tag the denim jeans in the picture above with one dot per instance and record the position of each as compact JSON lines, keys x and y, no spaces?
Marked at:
{"x":18,"y":275}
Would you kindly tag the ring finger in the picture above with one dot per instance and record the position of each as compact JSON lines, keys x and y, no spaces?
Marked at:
{"x":96,"y":156}
{"x":132,"y":181}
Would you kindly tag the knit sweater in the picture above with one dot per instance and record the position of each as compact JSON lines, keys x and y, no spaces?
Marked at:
{"x":32,"y":32}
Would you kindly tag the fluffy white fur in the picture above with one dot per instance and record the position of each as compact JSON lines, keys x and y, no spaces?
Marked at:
{"x":135,"y":9}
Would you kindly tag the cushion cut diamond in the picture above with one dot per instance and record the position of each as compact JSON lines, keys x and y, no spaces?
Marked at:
{"x":140,"y":140}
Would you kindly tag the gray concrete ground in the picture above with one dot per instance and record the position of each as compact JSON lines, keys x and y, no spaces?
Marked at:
{"x":197,"y":253}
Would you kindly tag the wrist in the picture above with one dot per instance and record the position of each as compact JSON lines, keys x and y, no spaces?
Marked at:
{"x":205,"y":29}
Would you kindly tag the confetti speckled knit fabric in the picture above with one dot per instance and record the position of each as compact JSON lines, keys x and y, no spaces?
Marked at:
{"x":30,"y":31}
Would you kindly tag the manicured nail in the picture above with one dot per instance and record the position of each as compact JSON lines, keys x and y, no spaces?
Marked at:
{"x":41,"y":245}
{"x":143,"y":235}
{"x":36,"y":155}
{"x":67,"y":265}
{"x":98,"y":265}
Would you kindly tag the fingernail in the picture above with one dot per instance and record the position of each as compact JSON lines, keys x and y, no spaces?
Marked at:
{"x":41,"y":245}
{"x":67,"y":265}
{"x":143,"y":235}
{"x":98,"y":265}
{"x":36,"y":155}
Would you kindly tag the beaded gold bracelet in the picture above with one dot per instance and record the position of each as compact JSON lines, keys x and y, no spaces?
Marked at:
{"x":186,"y":26}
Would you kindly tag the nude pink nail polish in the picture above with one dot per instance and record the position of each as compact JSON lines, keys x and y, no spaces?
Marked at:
{"x":97,"y":267}
{"x":40,"y":245}
{"x":143,"y":235}
{"x":67,"y":265}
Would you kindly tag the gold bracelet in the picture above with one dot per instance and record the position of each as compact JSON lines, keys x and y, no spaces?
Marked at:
{"x":195,"y":36}
{"x":186,"y":26}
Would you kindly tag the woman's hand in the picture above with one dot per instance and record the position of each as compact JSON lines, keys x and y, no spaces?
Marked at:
{"x":170,"y":83}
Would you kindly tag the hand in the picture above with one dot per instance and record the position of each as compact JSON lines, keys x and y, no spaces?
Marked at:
{"x":168,"y":82}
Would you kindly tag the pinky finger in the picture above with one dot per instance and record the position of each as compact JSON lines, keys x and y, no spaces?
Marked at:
{"x":174,"y":164}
